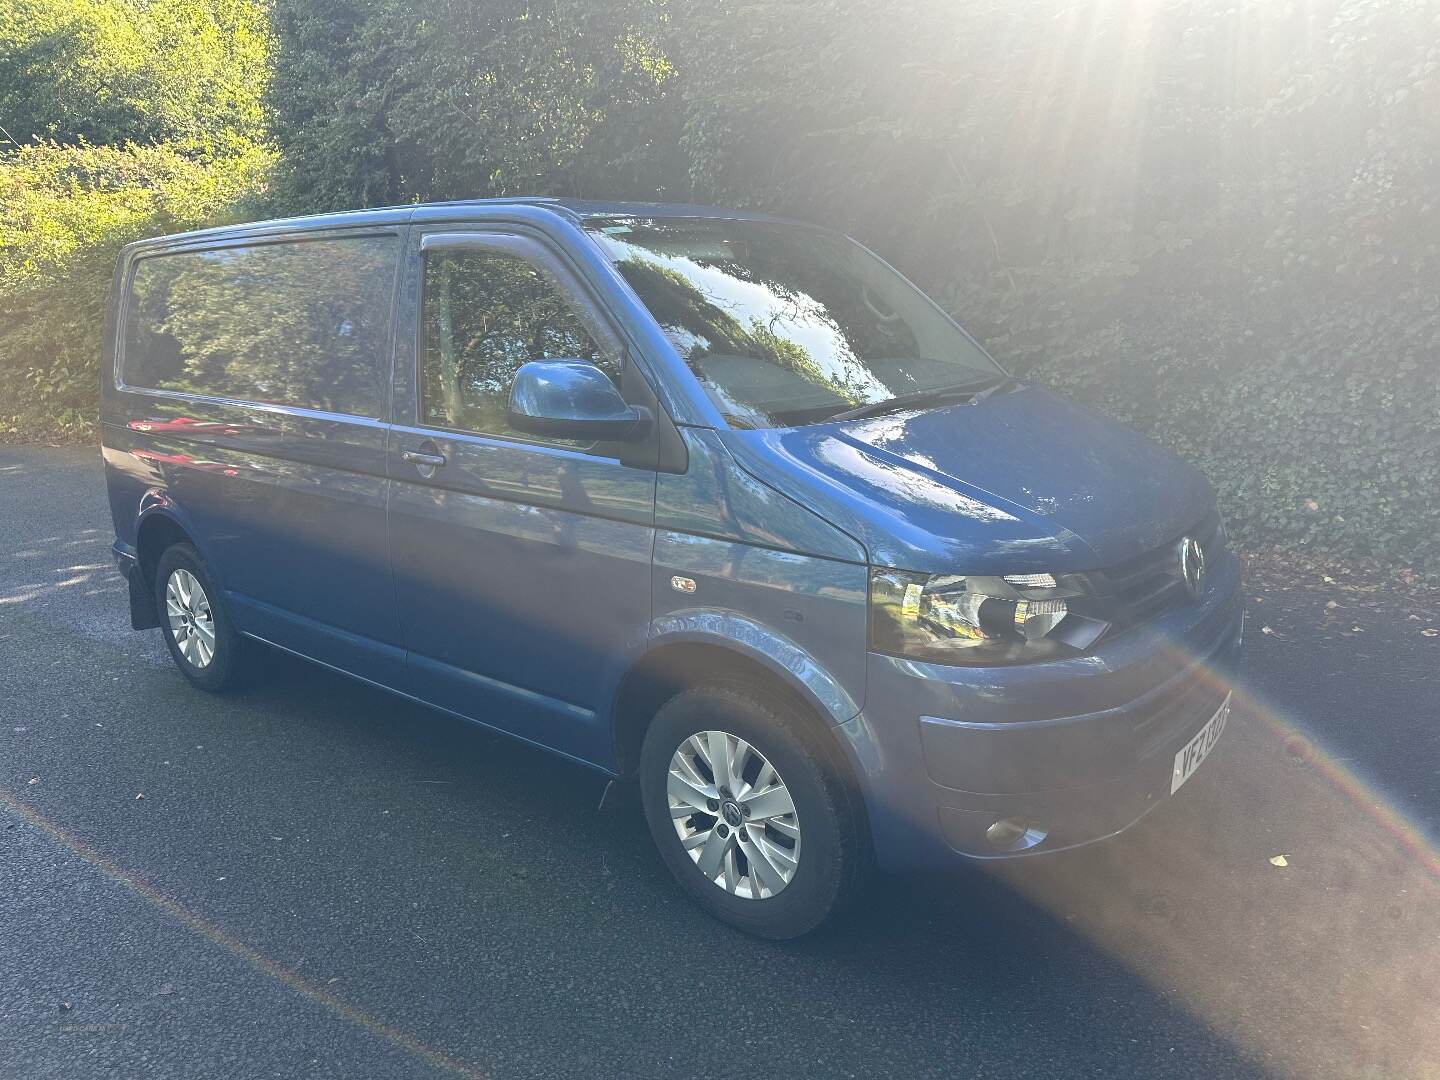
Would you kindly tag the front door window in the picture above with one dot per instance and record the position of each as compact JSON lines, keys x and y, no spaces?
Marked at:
{"x":485,"y":314}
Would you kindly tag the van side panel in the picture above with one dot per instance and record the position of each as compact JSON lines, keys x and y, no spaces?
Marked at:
{"x":521,"y":613}
{"x":285,"y":503}
{"x":716,"y":497}
{"x":772,"y":580}
{"x":289,"y":514}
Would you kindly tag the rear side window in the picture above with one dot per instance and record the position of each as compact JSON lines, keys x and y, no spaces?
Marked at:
{"x":485,"y":314}
{"x":303,"y":323}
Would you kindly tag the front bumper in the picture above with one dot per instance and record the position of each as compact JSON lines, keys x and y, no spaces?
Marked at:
{"x":1077,"y":750}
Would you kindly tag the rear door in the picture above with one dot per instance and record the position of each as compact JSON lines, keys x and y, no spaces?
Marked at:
{"x":522,"y":566}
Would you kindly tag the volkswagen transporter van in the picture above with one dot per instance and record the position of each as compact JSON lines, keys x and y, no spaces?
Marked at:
{"x":716,"y":501}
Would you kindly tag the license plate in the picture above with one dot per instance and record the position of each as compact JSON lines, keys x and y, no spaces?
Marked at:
{"x":1198,"y":749}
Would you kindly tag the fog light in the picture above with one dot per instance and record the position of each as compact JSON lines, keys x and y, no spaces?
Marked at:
{"x":1007,"y":832}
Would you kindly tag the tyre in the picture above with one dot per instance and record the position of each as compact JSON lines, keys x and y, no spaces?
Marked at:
{"x":197,"y":628}
{"x":751,"y":810}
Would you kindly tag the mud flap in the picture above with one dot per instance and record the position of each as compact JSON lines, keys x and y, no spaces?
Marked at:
{"x":143,"y":615}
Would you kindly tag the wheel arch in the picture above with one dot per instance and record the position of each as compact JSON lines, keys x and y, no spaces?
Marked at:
{"x":682,"y":660}
{"x":159,"y":528}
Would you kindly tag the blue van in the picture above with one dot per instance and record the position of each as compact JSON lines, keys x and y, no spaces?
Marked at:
{"x":712,"y":500}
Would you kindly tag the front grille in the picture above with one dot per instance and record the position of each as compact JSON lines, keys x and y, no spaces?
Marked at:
{"x":1132,"y":593}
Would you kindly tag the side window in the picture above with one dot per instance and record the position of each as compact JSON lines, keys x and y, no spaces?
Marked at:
{"x":485,"y":314}
{"x":304,"y":323}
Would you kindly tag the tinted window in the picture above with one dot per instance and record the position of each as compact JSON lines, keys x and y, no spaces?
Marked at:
{"x":304,"y":323}
{"x":784,"y":324}
{"x":486,"y":314}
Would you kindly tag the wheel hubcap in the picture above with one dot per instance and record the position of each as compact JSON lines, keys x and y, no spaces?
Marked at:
{"x":733,"y":814}
{"x":191,"y":623}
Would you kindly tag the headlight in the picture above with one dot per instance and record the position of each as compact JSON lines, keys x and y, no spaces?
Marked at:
{"x":950,"y":619}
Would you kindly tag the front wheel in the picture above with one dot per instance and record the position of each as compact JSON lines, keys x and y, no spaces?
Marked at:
{"x":197,"y":628}
{"x":751,"y":810}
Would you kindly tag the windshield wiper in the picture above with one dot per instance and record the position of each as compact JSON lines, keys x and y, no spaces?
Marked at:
{"x":1005,"y":382}
{"x":937,"y":396}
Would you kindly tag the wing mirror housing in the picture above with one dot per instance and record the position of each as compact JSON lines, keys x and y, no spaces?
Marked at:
{"x":573,"y":399}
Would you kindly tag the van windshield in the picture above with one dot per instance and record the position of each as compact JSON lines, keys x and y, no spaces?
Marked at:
{"x":786,"y":324}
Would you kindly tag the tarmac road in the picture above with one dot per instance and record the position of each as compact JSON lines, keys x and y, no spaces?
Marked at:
{"x":324,"y":881}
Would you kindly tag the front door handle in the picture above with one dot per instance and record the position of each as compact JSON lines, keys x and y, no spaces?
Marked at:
{"x":426,"y":458}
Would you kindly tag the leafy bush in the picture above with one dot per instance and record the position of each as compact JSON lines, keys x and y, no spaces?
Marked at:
{"x":122,"y":119}
{"x":379,"y":101}
{"x":65,"y":212}
{"x":106,"y":72}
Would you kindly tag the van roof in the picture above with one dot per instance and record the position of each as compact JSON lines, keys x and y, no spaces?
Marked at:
{"x":577,"y":210}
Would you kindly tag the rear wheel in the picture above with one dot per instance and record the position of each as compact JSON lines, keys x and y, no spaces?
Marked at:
{"x":751,"y":811}
{"x":197,"y":628}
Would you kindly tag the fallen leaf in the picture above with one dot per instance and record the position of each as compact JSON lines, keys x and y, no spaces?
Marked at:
{"x":1266,"y":630}
{"x":1356,"y":630}
{"x":33,"y":781}
{"x":1331,"y":605}
{"x":1279,"y":860}
{"x":166,"y":989}
{"x":139,"y":795}
{"x":1430,"y":631}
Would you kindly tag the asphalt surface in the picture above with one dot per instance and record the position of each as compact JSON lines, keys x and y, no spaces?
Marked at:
{"x":321,"y":880}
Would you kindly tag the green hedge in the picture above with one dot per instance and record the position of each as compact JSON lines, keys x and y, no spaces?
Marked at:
{"x":188,"y":73}
{"x":121,"y":119}
{"x":65,"y":212}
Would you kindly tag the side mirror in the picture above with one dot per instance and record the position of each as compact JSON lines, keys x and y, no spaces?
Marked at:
{"x":572,"y":399}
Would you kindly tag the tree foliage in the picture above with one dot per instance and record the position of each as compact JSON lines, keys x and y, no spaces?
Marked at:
{"x":122,"y":119}
{"x":183,"y":72}
{"x":65,"y":212}
{"x":379,"y":101}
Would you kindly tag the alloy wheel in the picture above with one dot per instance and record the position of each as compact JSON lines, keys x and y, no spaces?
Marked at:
{"x":192,"y":623}
{"x":734,"y":815}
